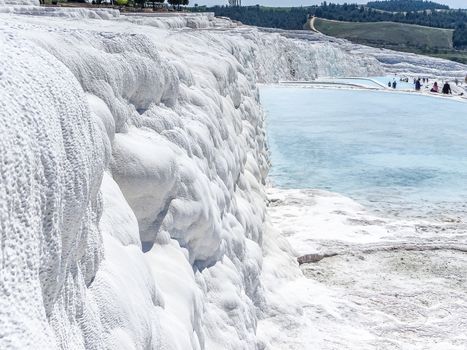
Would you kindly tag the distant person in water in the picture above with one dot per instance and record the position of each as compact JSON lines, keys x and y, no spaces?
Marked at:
{"x":456,"y":81}
{"x":389,"y":84}
{"x":394,"y":84}
{"x":447,"y":88}
{"x":435,"y":87}
{"x":418,"y":85}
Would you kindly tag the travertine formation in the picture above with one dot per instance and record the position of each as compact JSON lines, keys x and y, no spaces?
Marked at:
{"x":132,"y":167}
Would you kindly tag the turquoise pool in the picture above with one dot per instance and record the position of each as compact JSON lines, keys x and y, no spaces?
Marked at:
{"x":390,"y":150}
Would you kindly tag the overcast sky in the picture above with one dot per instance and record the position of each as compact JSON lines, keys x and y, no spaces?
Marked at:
{"x":451,"y":3}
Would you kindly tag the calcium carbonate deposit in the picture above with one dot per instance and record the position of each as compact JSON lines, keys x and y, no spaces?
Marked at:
{"x":132,"y":174}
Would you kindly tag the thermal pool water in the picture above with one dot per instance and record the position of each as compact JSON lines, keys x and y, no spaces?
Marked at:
{"x":400,"y":152}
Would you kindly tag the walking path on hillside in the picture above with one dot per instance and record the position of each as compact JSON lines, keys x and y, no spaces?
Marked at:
{"x":311,"y":23}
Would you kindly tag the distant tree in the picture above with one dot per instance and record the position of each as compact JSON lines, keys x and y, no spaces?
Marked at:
{"x":154,"y":2}
{"x":178,"y":3}
{"x":173,"y":2}
{"x":459,"y":37}
{"x":139,"y":3}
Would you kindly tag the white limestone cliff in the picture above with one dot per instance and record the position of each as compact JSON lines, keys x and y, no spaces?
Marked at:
{"x":133,"y":162}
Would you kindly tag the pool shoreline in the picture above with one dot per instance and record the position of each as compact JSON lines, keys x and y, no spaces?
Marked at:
{"x":342,"y":86}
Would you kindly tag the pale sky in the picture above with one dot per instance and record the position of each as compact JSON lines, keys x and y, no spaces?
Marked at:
{"x":450,"y":3}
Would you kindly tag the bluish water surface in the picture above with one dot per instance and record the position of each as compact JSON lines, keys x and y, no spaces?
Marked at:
{"x":378,"y":82}
{"x":387,"y":149}
{"x":400,"y":84}
{"x":374,"y":82}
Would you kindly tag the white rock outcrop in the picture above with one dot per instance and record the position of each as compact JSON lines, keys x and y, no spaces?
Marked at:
{"x":132,"y":167}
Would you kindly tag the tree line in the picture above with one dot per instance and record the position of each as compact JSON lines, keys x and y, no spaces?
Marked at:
{"x":459,"y":37}
{"x":270,"y":17}
{"x":295,"y":17}
{"x":406,"y":5}
{"x":358,"y":13}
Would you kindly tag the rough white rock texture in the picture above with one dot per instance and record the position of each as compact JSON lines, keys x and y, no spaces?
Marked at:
{"x":414,"y":65}
{"x":19,"y":2}
{"x":392,"y":61}
{"x":376,"y":281}
{"x":133,"y":161}
{"x":76,"y":13}
{"x":52,"y":159}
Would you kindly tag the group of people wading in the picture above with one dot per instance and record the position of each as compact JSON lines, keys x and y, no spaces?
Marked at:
{"x":446,"y":89}
{"x":435,"y":88}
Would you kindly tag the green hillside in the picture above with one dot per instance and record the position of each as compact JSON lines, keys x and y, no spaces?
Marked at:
{"x":393,"y":35}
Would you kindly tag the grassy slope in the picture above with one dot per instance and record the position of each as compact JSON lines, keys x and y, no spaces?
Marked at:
{"x":388,"y":34}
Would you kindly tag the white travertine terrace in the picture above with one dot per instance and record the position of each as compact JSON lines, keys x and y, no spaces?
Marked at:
{"x":132,"y":171}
